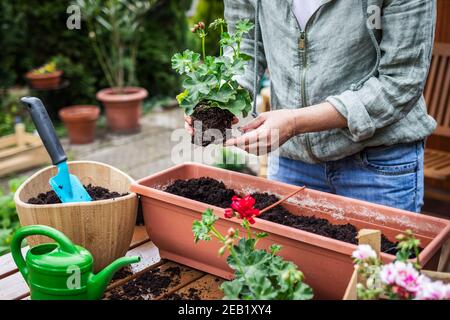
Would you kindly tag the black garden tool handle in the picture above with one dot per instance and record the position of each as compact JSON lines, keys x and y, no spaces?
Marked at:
{"x":45,"y":129}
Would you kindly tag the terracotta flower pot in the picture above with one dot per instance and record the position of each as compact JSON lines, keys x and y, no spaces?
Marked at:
{"x":44,"y":81}
{"x":80,"y":122}
{"x":326,"y":262}
{"x":105,"y":228}
{"x":123,"y":108}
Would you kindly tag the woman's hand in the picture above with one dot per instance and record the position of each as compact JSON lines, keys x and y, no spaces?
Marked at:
{"x":188,"y":125}
{"x":267,"y":132}
{"x":272,"y":129}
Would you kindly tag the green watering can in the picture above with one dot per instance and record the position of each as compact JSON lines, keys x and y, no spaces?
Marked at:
{"x":61,"y":270}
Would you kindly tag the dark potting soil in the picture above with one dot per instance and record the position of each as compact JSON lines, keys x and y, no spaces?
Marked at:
{"x":192,"y":294}
{"x":211,"y":118}
{"x":206,"y":190}
{"x":96,"y":193}
{"x":151,"y":284}
{"x":214,"y":192}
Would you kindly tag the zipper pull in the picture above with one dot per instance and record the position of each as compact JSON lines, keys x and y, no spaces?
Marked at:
{"x":302,"y":42}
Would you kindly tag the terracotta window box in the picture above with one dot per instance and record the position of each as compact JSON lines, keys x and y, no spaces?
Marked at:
{"x":326,"y":262}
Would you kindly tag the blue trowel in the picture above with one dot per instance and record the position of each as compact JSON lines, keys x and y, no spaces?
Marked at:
{"x":67,"y":186}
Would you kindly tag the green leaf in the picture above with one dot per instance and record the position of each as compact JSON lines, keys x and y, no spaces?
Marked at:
{"x":303,"y":292}
{"x":244,"y":26}
{"x":232,"y":289}
{"x":200,"y":84}
{"x":202,"y":229}
{"x":185,"y":62}
{"x":274,"y":248}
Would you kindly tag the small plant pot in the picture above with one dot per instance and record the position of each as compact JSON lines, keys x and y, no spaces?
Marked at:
{"x":326,"y":263}
{"x":80,"y":122}
{"x":123,"y":108}
{"x":44,"y":81}
{"x":105,"y":228}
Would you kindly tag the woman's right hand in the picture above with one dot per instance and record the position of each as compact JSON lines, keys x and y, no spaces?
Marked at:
{"x":188,"y":124}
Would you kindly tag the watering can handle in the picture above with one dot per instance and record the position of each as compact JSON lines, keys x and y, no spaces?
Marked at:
{"x":45,"y":129}
{"x":64,"y":243}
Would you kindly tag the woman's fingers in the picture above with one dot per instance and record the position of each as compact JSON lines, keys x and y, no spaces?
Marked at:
{"x":188,"y":120}
{"x":254,"y":124}
{"x":189,"y":128}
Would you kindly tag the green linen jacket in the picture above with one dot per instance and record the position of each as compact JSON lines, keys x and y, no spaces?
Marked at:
{"x":368,"y":58}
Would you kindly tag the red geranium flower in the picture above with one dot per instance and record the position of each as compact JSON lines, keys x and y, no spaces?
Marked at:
{"x":244,"y":207}
{"x":229,"y":213}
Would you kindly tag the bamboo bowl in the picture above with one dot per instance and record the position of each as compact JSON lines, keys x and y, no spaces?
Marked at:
{"x":105,"y":228}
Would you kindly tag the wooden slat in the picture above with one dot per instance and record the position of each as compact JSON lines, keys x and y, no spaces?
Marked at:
{"x":7,"y":264}
{"x":372,"y":238}
{"x":140,"y":236}
{"x":13,"y":287}
{"x":434,"y":110}
{"x":205,"y":288}
{"x":429,"y":88}
{"x":187,"y":275}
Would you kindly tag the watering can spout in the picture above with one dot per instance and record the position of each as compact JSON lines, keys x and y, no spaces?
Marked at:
{"x":97,"y":283}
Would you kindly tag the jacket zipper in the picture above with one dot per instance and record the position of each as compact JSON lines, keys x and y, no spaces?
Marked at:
{"x":302,"y":47}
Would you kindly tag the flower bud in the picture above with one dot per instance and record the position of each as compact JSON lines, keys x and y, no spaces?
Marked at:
{"x":222,"y":251}
{"x":285,"y":276}
{"x":201,"y":25}
{"x":231,"y":232}
{"x":229,"y":242}
{"x":193,"y":30}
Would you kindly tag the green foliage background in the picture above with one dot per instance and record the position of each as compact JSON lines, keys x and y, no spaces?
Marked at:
{"x":33,"y":31}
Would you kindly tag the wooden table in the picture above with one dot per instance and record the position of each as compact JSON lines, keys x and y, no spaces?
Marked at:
{"x":205,"y":286}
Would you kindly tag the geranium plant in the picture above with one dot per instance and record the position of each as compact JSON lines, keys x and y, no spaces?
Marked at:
{"x":212,"y":94}
{"x":400,"y":280}
{"x":259,"y":274}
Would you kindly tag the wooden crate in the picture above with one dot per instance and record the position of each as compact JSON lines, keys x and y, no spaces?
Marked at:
{"x":21,"y":151}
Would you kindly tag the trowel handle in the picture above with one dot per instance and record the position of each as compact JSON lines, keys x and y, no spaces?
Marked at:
{"x":45,"y":129}
{"x":16,"y":244}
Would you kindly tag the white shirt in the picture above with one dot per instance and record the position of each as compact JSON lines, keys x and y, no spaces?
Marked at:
{"x":304,"y":9}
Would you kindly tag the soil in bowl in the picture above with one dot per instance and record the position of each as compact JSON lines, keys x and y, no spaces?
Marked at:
{"x":213,"y":192}
{"x":96,"y":193}
{"x":211,"y":118}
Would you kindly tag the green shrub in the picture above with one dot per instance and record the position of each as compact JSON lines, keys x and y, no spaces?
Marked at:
{"x":33,"y":31}
{"x":9,"y":220}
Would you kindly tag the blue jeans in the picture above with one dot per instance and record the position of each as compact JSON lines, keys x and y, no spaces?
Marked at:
{"x":391,"y":176}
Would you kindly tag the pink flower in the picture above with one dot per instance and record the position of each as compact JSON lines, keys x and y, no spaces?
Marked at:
{"x":404,"y":279}
{"x":430,"y":290}
{"x":364,"y":252}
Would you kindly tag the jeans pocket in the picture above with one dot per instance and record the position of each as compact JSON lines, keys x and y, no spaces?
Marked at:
{"x":392,"y":160}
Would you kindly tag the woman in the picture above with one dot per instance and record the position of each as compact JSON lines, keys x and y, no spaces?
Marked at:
{"x":347,"y":80}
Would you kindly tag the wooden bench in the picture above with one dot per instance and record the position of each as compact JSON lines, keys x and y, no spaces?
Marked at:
{"x":437,"y":96}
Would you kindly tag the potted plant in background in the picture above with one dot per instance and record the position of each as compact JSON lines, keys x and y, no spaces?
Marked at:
{"x":80,"y":122}
{"x":45,"y":77}
{"x":114,"y":29}
{"x":212,"y":95}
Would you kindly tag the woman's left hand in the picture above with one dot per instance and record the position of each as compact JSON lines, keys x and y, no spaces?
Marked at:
{"x":267,"y":132}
